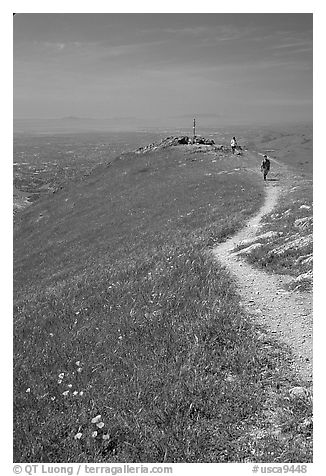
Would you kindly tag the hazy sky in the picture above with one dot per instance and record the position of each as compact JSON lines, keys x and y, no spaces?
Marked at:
{"x":238,"y":67}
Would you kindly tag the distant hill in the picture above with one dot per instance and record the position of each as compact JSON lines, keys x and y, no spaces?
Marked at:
{"x":75,"y":118}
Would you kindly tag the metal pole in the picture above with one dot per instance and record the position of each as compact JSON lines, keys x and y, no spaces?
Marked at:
{"x":194,"y":129}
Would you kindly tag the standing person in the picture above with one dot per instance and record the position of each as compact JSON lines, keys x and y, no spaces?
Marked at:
{"x":233,"y":144}
{"x":265,"y":166}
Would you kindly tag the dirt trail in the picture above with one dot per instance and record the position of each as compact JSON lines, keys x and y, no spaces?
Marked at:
{"x":286,"y":316}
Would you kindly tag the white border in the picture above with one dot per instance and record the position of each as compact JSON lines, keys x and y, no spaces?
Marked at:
{"x":319,"y":210}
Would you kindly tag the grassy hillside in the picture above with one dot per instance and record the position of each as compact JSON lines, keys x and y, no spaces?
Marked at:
{"x":135,"y":204}
{"x":120,"y":312}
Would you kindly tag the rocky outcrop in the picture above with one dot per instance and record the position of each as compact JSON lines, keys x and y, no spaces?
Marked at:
{"x":173,"y":141}
{"x":245,"y":244}
{"x":303,"y":260}
{"x":307,"y":277}
{"x":203,"y":141}
{"x":294,"y":243}
{"x":303,"y":223}
{"x":251,"y":248}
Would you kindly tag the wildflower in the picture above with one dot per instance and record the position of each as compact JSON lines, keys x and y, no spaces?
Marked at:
{"x":94,"y":434}
{"x":52,"y":398}
{"x":75,"y":393}
{"x":65,"y":393}
{"x":79,"y":369}
{"x":61,"y":375}
{"x":120,"y":337}
{"x":81,"y":393}
{"x":106,"y":437}
{"x":28,"y":390}
{"x":51,"y":335}
{"x":78,"y":436}
{"x":69,"y":385}
{"x":100,"y":424}
{"x":77,"y":363}
{"x":97,"y":419}
{"x":60,"y":380}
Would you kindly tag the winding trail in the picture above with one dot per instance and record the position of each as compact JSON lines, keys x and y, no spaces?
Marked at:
{"x":286,"y":316}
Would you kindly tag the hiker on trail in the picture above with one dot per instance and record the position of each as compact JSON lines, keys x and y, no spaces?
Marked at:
{"x":265,"y":166}
{"x":233,"y":144}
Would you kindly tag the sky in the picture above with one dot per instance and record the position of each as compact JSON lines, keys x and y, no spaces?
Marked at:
{"x":164,"y":68}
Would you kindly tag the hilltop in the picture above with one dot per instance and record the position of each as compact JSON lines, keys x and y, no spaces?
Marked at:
{"x":120,"y":311}
{"x":180,"y":140}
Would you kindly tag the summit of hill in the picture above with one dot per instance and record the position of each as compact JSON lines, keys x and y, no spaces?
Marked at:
{"x":172,"y":141}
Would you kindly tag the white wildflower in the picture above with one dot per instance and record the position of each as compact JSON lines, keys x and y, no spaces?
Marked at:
{"x":28,"y":390}
{"x":65,"y":393}
{"x":78,"y":363}
{"x":61,"y":375}
{"x":78,"y":436}
{"x":75,"y":393}
{"x":81,"y":393}
{"x":79,"y":369}
{"x":106,"y":437}
{"x":69,"y":385}
{"x":94,"y":434}
{"x":100,"y":424}
{"x":97,"y":419}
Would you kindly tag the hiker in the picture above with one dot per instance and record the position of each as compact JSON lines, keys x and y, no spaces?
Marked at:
{"x":265,"y":166}
{"x":233,"y":144}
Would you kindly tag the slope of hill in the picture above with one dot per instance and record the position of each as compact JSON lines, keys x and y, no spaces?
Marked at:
{"x":117,"y":205}
{"x":122,"y":318}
